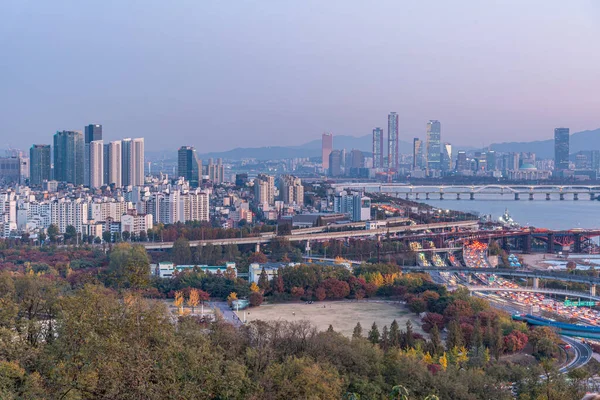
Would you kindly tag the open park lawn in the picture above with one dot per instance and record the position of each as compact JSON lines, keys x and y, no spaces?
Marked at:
{"x":343,"y":315}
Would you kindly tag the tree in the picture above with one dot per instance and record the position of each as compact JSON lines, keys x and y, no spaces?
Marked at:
{"x":70,"y":233}
{"x":107,"y":236}
{"x":53,"y":232}
{"x":394,"y":334}
{"x":258,"y":258}
{"x":194,"y":298}
{"x":571,"y":266}
{"x":455,"y":336}
{"x":385,"y":338}
{"x":374,"y":334}
{"x":129,"y":266}
{"x":181,"y":252}
{"x":320,"y":293}
{"x":256,"y":299}
{"x":409,"y":341}
{"x":436,"y":342}
{"x":357,"y":333}
{"x":231,"y":298}
{"x":126,"y":235}
{"x":178,"y":302}
{"x":254,"y":287}
{"x":263,"y":281}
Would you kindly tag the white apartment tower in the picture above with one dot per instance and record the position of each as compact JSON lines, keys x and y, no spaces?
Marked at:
{"x":96,"y":149}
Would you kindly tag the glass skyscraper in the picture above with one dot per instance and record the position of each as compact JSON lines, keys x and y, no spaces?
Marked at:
{"x":39,"y":164}
{"x":561,"y":149}
{"x":377,"y":148}
{"x":393,"y":141}
{"x":69,"y":157}
{"x":433,"y":148}
{"x":189,"y":166}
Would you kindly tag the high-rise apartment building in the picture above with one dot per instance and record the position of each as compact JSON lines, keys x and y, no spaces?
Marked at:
{"x":69,"y":157}
{"x":491,"y":160}
{"x":291,"y":190}
{"x":357,"y":160}
{"x":39,"y":164}
{"x":132,"y":157}
{"x":326,"y":148}
{"x":264,"y":190}
{"x":216,"y":171}
{"x":461,"y":161}
{"x":335,"y":163}
{"x":417,"y":154}
{"x":561,"y":149}
{"x":378,"y":148}
{"x":96,"y":148}
{"x":393,"y":141}
{"x":115,"y":164}
{"x":433,"y":147}
{"x":189,"y":166}
{"x":93,"y":132}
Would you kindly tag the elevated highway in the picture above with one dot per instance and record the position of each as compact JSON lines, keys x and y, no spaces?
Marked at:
{"x":568,"y":293}
{"x":266,"y":238}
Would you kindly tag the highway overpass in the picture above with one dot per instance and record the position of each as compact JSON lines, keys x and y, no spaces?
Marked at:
{"x":568,"y":293}
{"x":266,"y":238}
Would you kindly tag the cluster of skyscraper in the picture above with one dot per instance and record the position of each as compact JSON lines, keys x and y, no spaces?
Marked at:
{"x":189,"y":166}
{"x":84,"y":159}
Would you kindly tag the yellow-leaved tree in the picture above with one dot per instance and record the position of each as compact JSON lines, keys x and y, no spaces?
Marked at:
{"x":179,"y":301}
{"x":232,"y":296}
{"x":254,"y":287}
{"x":193,"y":299}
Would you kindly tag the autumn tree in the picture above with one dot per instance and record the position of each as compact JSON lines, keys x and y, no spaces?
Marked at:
{"x":357,"y":332}
{"x":178,"y":302}
{"x":231,"y":298}
{"x":255,"y":299}
{"x":129,"y":266}
{"x":263,"y":281}
{"x":254,"y":288}
{"x":194,"y":298}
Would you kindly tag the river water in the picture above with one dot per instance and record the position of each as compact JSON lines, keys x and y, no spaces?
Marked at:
{"x":553,"y":214}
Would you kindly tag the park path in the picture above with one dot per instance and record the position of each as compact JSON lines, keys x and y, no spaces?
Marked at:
{"x":228,"y":314}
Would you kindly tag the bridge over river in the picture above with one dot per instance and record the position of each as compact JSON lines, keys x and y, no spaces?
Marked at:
{"x":427,"y":192}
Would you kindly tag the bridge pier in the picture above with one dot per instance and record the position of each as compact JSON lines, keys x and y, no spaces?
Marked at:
{"x":257,"y":248}
{"x":471,"y":196}
{"x":457,"y":196}
{"x":441,"y":196}
{"x":562,"y":196}
{"x":536,"y":283}
{"x":530,"y":196}
{"x":516,"y":196}
{"x":426,"y":196}
{"x":407,"y":196}
{"x":547,"y":196}
{"x":469,"y":278}
{"x":592,"y":196}
{"x":577,"y":244}
{"x":551,"y":243}
{"x":592,"y":290}
{"x":527,"y":244}
{"x":505,"y":243}
{"x":416,"y":196}
{"x":575,"y":196}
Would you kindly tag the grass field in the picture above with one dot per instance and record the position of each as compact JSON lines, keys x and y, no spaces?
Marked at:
{"x":343,"y":315}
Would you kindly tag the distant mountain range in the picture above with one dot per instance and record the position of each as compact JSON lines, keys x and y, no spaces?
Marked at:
{"x":586,"y":140}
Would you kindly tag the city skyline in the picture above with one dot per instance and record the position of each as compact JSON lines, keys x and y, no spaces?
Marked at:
{"x":508,"y":88}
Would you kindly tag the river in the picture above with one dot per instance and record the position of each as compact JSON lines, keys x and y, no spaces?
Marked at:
{"x":553,"y":214}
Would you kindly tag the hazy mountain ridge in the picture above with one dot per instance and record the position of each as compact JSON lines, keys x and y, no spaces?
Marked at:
{"x":585,"y":140}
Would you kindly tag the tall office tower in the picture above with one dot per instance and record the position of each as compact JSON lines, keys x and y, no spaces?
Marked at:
{"x":393,"y":141}
{"x":461,"y":161}
{"x":92,"y":132}
{"x":335,"y":163}
{"x":69,"y":157}
{"x":432,"y":145}
{"x":115,"y":164}
{"x":326,"y":147}
{"x":264,"y":190}
{"x":377,"y":148}
{"x":39,"y":164}
{"x":189,"y":166}
{"x":96,"y":163}
{"x":132,"y":159}
{"x":357,"y":159}
{"x":417,"y":154}
{"x":446,"y":157}
{"x":491,"y":160}
{"x":216,"y":171}
{"x":561,"y":149}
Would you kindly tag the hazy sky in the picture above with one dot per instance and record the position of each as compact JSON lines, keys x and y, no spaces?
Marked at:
{"x":223,"y":74}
